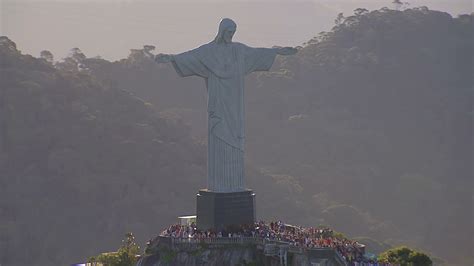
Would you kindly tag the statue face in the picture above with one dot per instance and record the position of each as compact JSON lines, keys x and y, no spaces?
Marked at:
{"x":228,"y":34}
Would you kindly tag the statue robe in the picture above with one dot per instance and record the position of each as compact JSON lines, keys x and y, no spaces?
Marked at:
{"x":224,"y":67}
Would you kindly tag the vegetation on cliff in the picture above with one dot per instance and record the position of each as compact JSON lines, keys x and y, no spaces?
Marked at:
{"x":126,"y":255}
{"x":405,"y":256}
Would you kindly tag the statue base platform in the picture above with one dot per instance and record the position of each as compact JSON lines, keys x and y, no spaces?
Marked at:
{"x":224,"y":210}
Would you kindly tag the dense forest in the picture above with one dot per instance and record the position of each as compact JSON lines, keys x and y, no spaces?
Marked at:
{"x":368,"y":129}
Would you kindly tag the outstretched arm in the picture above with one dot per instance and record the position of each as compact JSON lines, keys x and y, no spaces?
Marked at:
{"x":185,"y":64}
{"x":261,"y":59}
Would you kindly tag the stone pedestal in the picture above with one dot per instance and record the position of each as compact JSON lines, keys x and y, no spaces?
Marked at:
{"x":222,"y":210}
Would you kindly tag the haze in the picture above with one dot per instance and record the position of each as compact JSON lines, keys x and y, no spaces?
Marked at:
{"x":111,"y":28}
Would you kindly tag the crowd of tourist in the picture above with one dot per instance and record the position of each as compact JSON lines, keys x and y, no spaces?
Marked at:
{"x":306,"y":238}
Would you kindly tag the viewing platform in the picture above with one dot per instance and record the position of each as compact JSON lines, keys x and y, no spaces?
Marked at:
{"x":260,"y":243}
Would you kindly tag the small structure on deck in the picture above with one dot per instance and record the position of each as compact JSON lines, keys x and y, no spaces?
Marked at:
{"x":187,"y":220}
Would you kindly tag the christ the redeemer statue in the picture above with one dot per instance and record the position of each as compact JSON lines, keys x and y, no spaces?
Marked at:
{"x":224,"y":64}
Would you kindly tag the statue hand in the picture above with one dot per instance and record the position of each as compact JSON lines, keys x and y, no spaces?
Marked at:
{"x":286,"y":51}
{"x":163,"y":58}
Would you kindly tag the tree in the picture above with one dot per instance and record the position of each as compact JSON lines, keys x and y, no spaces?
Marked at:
{"x":339,"y":19}
{"x":126,"y":255}
{"x":148,"y":48}
{"x":399,"y":4}
{"x":47,"y":55}
{"x":360,"y":11}
{"x":77,"y":54}
{"x":129,"y":244}
{"x":147,"y":51}
{"x":7,"y":43}
{"x":405,"y":256}
{"x":74,"y":62}
{"x":418,"y":258}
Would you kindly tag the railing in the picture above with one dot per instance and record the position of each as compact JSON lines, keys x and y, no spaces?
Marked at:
{"x":340,"y":258}
{"x":270,"y":250}
{"x":295,"y":249}
{"x":215,"y":240}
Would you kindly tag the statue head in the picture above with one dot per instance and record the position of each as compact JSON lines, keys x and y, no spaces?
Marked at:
{"x":226,"y":31}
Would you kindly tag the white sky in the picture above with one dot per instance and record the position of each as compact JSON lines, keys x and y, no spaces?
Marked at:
{"x":111,"y":27}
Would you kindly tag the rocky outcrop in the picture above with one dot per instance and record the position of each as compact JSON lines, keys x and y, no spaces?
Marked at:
{"x":207,"y":256}
{"x":163,"y":251}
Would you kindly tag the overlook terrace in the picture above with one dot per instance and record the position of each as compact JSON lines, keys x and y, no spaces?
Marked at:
{"x":274,"y":240}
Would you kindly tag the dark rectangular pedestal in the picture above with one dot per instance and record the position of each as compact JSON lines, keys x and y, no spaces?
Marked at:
{"x":223,"y":210}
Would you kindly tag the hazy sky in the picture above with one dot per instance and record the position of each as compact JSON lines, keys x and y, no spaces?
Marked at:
{"x":111,"y":28}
